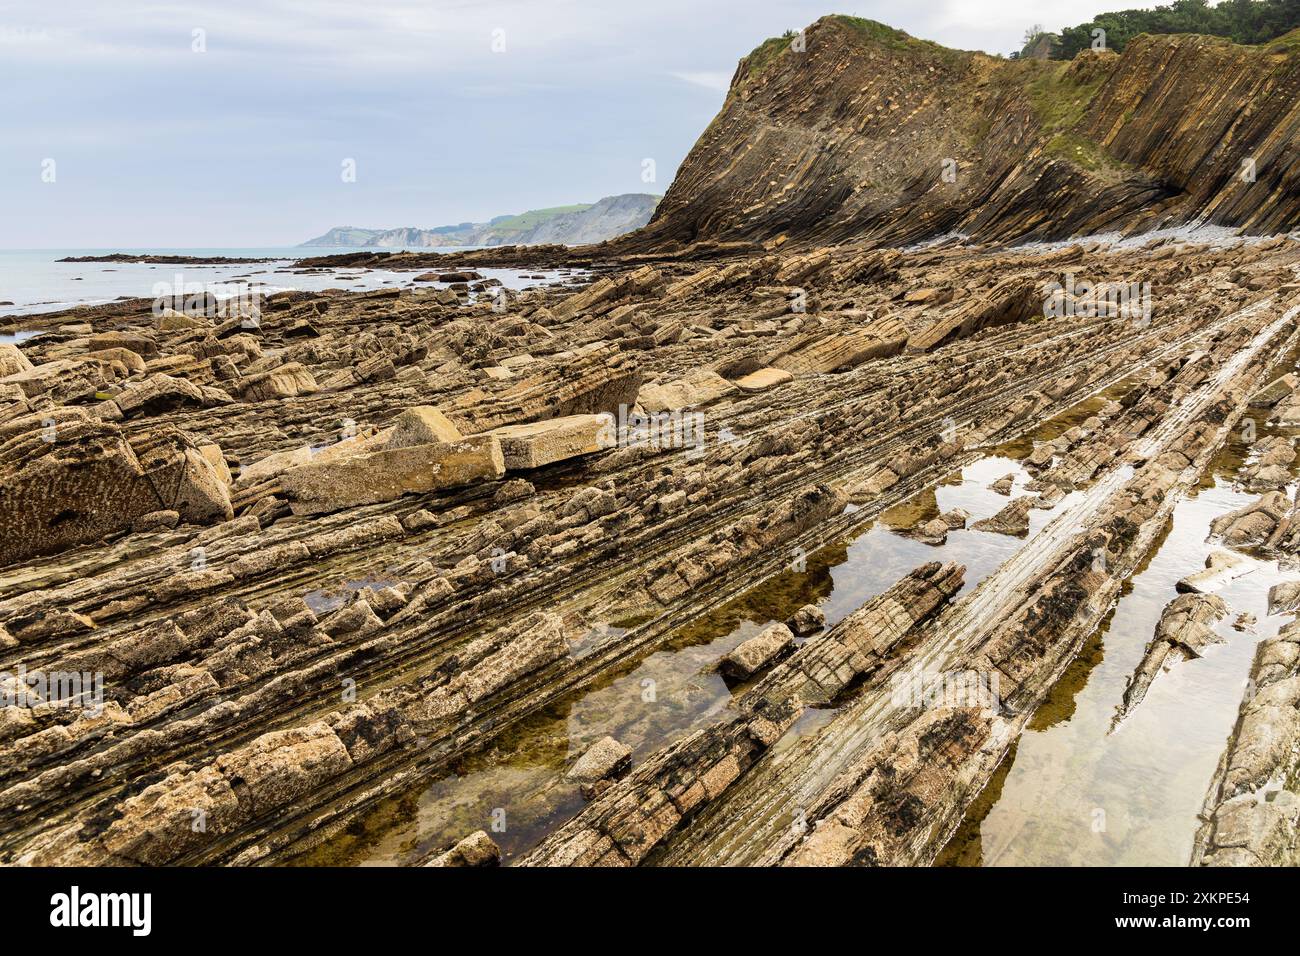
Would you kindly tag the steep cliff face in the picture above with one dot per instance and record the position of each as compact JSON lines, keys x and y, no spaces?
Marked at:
{"x":867,"y":134}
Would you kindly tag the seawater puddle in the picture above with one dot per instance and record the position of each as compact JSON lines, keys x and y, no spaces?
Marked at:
{"x":517,"y":782}
{"x":1079,"y":790}
{"x":35,"y":281}
{"x":14,"y":338}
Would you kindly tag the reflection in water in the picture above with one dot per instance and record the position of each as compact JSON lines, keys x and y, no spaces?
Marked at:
{"x":1068,"y":793}
{"x":519,"y":777}
{"x":1074,"y":794}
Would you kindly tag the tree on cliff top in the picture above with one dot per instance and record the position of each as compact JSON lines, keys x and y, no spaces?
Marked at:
{"x":1242,"y":21}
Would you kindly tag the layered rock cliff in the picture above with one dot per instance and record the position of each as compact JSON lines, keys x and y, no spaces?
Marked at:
{"x":867,"y":134}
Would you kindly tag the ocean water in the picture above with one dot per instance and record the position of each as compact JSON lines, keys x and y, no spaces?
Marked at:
{"x":34,"y":281}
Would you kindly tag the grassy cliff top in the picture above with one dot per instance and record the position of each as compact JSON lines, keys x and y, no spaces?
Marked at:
{"x":533,"y":217}
{"x":860,"y":28}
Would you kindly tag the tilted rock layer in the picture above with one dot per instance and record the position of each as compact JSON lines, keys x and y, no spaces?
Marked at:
{"x":866,"y":134}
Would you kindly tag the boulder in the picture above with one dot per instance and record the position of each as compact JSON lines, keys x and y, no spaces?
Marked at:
{"x":603,"y":759}
{"x":12,"y":360}
{"x":1284,"y":597}
{"x":1252,"y":524}
{"x":158,"y":393}
{"x":92,"y":482}
{"x":187,"y":482}
{"x":422,"y":425}
{"x":807,"y":620}
{"x":1003,"y":485}
{"x":477,"y":849}
{"x":770,"y":644}
{"x":935,"y":531}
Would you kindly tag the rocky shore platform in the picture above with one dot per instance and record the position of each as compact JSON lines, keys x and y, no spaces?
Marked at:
{"x":316,"y":549}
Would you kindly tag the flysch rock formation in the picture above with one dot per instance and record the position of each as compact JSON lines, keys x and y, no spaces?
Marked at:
{"x":867,"y":133}
{"x":317,"y":550}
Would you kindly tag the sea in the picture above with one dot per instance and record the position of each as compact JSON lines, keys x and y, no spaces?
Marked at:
{"x":33,"y":281}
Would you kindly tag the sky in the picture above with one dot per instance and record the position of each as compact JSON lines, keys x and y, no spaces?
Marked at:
{"x":262,"y":123}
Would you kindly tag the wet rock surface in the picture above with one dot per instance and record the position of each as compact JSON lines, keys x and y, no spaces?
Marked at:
{"x":1252,"y":810}
{"x":1185,"y":630}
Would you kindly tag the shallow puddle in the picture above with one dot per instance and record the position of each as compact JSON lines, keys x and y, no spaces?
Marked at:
{"x":515,"y":789}
{"x":1081,"y":790}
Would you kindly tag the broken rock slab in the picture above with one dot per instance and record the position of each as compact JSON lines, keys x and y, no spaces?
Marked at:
{"x":1185,"y":630}
{"x":763,"y":379}
{"x":807,"y":620}
{"x":604,"y":759}
{"x":1220,"y":568}
{"x":770,"y":644}
{"x":389,"y":473}
{"x":821,"y":353}
{"x":422,"y":425}
{"x":477,"y":849}
{"x":698,"y":388}
{"x":1012,"y":520}
{"x":287,"y":381}
{"x":1275,"y":391}
{"x":542,"y":443}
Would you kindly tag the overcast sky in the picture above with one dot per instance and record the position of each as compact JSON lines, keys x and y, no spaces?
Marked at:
{"x":452,"y":110}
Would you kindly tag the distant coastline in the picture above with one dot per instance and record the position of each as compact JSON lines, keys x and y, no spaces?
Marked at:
{"x":564,"y":225}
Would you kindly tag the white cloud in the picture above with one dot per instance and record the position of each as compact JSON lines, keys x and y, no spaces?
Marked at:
{"x":444,"y":128}
{"x":710,"y":80}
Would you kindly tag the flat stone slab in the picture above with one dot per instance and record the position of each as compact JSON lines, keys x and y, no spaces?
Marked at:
{"x":1220,"y":568}
{"x":698,"y":388}
{"x":763,"y":379}
{"x":1275,"y":391}
{"x":605,"y":758}
{"x":542,"y":443}
{"x":390,"y":473}
{"x":759,"y":651}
